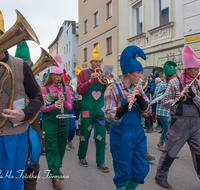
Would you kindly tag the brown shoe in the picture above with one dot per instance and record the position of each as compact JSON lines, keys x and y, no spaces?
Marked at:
{"x":57,"y":183}
{"x":164,"y":184}
{"x":70,"y":144}
{"x":150,"y":158}
{"x":61,"y":176}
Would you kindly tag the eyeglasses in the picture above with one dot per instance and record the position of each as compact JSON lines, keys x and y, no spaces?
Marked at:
{"x":57,"y":75}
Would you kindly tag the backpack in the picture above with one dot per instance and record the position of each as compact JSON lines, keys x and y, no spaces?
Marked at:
{"x":34,"y":147}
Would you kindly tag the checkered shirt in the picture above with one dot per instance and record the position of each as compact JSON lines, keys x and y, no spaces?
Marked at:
{"x":160,"y":89}
{"x":173,"y":87}
{"x":112,"y":101}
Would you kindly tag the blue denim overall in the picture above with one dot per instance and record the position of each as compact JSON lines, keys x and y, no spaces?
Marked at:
{"x":128,"y":147}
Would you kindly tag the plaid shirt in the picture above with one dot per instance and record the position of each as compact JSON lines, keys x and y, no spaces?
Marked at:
{"x":160,"y":89}
{"x":112,"y":101}
{"x":173,"y":87}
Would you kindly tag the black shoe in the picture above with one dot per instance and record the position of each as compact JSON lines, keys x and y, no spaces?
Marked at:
{"x":78,"y":132}
{"x":83,"y":162}
{"x":103,"y":168}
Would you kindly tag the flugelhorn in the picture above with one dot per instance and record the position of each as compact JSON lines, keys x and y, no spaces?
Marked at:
{"x":183,"y":91}
{"x":19,"y":32}
{"x":102,"y":79}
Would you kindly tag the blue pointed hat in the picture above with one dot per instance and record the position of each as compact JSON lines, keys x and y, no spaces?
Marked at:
{"x":128,"y":61}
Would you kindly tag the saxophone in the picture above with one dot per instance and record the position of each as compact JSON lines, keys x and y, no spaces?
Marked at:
{"x":62,"y":107}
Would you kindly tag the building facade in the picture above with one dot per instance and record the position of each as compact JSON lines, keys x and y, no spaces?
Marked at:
{"x":70,"y":46}
{"x":98,"y":24}
{"x":57,"y":45}
{"x":160,"y":27}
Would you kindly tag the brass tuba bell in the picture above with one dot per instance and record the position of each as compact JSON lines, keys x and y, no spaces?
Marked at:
{"x":19,"y":32}
{"x":45,"y":61}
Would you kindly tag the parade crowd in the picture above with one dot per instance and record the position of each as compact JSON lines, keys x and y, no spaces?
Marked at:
{"x":125,"y":110}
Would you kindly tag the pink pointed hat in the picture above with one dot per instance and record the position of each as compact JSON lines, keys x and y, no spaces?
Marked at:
{"x":58,"y":59}
{"x":55,"y":69}
{"x":189,"y":58}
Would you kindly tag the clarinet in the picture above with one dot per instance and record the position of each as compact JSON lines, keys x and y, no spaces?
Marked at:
{"x":62,"y":108}
{"x":183,"y":91}
{"x":131,"y":102}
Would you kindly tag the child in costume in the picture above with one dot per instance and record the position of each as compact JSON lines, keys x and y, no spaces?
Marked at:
{"x":92,"y":92}
{"x":128,"y":143}
{"x":185,"y":119}
{"x":55,"y":134}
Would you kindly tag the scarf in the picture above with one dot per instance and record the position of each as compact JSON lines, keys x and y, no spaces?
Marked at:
{"x":188,"y":79}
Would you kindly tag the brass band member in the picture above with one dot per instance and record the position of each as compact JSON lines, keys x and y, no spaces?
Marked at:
{"x":13,"y":140}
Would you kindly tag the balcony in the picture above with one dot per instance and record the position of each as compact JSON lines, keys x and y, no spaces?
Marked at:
{"x":161,"y":33}
{"x":137,"y":40}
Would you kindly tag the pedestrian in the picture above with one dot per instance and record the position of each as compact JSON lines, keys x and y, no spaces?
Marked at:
{"x":92,"y":92}
{"x":128,"y":143}
{"x":162,"y":113}
{"x":13,"y":140}
{"x":184,"y":126}
{"x":56,"y":130}
{"x":76,"y":100}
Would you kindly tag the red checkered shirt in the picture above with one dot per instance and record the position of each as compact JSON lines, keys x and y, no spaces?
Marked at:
{"x":112,"y":101}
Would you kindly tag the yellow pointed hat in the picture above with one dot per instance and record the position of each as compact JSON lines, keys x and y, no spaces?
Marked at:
{"x":95,"y":54}
{"x":2,"y":30}
{"x":78,"y":70}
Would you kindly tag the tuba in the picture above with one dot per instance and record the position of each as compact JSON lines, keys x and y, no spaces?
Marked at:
{"x":45,"y":61}
{"x":102,"y":79}
{"x":19,"y":32}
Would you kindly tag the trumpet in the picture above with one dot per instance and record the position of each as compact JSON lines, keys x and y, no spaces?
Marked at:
{"x":102,"y":79}
{"x":131,"y":102}
{"x":183,"y":91}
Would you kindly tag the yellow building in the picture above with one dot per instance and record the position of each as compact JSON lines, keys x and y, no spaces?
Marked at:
{"x":98,"y":24}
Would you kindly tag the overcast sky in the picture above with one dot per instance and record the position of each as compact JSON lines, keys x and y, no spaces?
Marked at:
{"x":45,"y":17}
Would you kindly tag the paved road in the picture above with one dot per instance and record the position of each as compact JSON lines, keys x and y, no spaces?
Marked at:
{"x":182,"y":175}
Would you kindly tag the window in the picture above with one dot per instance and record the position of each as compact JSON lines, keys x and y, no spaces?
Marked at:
{"x":164,"y":11}
{"x":66,"y":48}
{"x":85,"y":26}
{"x":136,"y":19}
{"x":96,"y":19}
{"x":84,"y":1}
{"x":95,"y":44}
{"x":139,"y":20}
{"x":109,"y":45}
{"x":109,"y":9}
{"x":66,"y":33}
{"x":84,"y":54}
{"x":69,"y":46}
{"x":68,"y":65}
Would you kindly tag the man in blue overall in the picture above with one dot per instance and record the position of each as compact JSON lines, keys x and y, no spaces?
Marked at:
{"x":127,"y":138}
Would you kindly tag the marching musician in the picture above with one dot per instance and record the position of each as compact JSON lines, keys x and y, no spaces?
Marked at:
{"x":184,"y":126}
{"x":128,"y":143}
{"x":13,"y":140}
{"x":55,"y":134}
{"x":92,"y":92}
{"x":22,"y":51}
